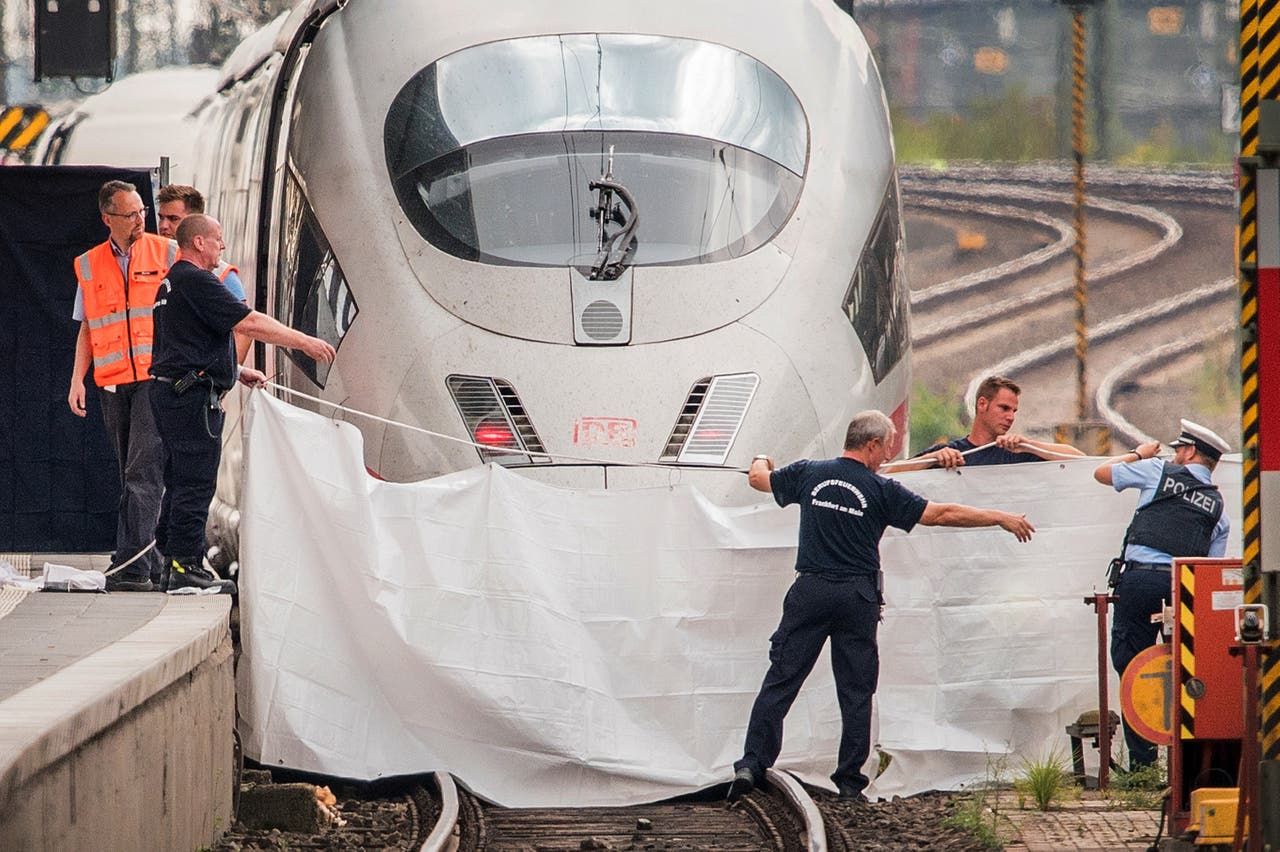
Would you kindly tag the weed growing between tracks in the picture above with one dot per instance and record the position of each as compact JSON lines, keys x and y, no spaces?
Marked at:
{"x":977,"y":812}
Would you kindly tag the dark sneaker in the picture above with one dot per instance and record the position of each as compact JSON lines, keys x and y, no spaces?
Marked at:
{"x":744,"y":781}
{"x":189,"y":574}
{"x":125,"y":582}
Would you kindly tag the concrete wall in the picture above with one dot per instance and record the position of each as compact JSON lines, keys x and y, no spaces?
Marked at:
{"x":158,"y":776}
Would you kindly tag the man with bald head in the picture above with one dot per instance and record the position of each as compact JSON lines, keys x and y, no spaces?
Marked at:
{"x":194,"y":365}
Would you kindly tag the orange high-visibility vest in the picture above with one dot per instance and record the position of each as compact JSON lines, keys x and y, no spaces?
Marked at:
{"x":223,"y":269}
{"x":118,"y":308}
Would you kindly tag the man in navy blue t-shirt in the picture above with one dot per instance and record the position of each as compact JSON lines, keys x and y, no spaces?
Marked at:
{"x":194,"y":364}
{"x":845,"y":507}
{"x":990,"y":440}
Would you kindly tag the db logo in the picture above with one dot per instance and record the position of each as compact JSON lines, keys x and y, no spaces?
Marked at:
{"x":604,"y":432}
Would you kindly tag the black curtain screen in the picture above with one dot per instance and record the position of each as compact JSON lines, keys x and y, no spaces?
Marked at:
{"x":58,"y":480}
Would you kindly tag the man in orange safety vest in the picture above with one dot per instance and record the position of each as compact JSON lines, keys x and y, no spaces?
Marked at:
{"x":118,"y":281}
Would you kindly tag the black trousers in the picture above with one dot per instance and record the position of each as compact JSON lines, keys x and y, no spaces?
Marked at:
{"x":132,"y":429}
{"x":191,"y":432}
{"x":815,"y":608}
{"x":1140,"y":594}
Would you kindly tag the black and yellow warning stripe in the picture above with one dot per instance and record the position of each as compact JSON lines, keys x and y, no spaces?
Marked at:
{"x":20,"y":126}
{"x":1186,"y":650}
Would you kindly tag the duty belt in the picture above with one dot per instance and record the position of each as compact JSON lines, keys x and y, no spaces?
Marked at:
{"x":1131,"y":565}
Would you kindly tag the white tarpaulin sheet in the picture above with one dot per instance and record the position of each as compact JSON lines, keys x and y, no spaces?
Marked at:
{"x":556,"y":647}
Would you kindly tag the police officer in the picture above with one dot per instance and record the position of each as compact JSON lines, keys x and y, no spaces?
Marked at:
{"x":1180,"y":513}
{"x":193,"y":365}
{"x":845,"y":507}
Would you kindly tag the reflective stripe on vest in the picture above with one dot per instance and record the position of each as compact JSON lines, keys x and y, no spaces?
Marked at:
{"x":107,"y":359}
{"x":223,"y":269}
{"x":119,"y":313}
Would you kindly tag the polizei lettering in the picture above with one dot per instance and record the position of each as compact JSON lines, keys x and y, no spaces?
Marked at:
{"x":839,"y":507}
{"x":1200,"y":499}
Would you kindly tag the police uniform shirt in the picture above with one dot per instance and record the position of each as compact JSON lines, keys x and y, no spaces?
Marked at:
{"x":193,"y":318}
{"x":991,"y":455}
{"x":844,"y":510}
{"x":1145,"y":475}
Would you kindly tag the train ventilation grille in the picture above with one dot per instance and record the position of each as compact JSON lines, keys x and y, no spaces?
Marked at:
{"x":602,"y":321}
{"x":710,"y":420}
{"x":494,"y":417}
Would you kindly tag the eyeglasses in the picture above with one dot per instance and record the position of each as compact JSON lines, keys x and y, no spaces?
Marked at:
{"x":137,"y":214}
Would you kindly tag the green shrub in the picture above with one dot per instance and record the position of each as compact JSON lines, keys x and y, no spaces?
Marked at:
{"x":935,"y":417}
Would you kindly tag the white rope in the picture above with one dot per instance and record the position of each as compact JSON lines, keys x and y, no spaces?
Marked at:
{"x":934,"y":460}
{"x":409,"y":426}
{"x":131,"y":560}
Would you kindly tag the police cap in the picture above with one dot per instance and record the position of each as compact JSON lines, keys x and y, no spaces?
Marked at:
{"x":1205,"y":440}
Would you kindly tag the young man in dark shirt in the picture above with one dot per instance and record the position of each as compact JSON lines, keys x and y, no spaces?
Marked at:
{"x":194,"y":365}
{"x":845,"y":507}
{"x":994,"y":409}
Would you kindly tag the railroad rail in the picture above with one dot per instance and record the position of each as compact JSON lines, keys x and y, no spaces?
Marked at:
{"x":779,"y":814}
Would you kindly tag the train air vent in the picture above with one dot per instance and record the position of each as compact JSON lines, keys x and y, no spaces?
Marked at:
{"x":602,"y":321}
{"x":493,"y":416}
{"x":709,"y":422}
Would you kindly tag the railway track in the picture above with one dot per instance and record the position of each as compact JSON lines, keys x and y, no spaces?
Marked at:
{"x":778,"y":815}
{"x":1153,"y":247}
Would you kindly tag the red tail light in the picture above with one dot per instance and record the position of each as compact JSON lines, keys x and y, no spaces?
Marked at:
{"x":494,"y":433}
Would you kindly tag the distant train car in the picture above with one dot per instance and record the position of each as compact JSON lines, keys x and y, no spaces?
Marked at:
{"x":663,"y":233}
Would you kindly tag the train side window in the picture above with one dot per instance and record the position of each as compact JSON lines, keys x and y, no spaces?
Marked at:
{"x":313,"y":295}
{"x":876,"y":301}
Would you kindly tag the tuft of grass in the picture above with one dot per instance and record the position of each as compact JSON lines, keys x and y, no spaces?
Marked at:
{"x":1044,"y":781}
{"x":935,"y":417}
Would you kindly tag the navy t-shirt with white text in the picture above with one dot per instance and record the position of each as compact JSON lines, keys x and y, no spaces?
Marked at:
{"x":844,"y":510}
{"x":193,"y":317}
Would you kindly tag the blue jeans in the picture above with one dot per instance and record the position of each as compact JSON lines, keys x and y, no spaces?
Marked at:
{"x":139,"y":460}
{"x":1140,"y":594}
{"x":815,"y":608}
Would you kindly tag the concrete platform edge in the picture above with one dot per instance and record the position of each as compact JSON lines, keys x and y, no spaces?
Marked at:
{"x":47,"y":721}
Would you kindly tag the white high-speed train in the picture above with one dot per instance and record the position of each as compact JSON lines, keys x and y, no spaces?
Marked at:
{"x":663,"y":232}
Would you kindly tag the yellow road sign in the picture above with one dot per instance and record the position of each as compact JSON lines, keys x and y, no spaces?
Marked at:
{"x":1146,"y":694}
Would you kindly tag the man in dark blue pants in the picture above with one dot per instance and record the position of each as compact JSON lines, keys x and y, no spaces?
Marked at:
{"x":193,"y":366}
{"x":1180,"y":513}
{"x":845,"y":507}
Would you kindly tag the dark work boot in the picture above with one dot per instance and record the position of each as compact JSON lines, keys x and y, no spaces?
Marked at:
{"x":744,"y":781}
{"x":123,"y":581}
{"x":188,"y":573}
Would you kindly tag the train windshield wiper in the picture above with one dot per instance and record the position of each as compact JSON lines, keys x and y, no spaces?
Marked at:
{"x":621,"y":243}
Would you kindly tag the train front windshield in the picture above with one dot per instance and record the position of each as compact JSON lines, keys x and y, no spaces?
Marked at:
{"x":492,"y":150}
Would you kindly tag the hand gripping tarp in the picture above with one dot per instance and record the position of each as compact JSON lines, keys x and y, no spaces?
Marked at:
{"x":558,"y":647}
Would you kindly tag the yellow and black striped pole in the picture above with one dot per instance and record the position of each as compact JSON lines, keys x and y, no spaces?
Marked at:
{"x":1259,"y":287}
